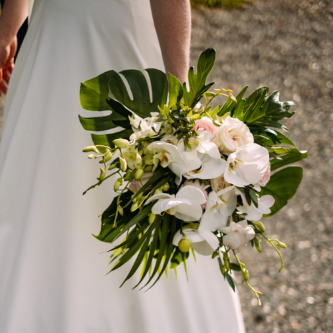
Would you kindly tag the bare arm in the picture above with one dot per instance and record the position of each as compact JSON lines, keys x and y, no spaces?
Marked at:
{"x":12,"y":17}
{"x":172,"y":20}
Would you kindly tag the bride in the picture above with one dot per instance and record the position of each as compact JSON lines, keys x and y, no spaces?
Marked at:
{"x":52,"y":272}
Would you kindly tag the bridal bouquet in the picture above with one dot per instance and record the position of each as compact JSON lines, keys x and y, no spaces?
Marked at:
{"x":189,"y":177}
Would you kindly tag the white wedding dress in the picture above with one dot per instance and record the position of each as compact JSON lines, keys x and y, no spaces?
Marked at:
{"x":52,"y":271}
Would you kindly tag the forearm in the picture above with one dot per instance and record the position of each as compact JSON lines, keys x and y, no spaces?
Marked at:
{"x":12,"y":17}
{"x":172,"y":19}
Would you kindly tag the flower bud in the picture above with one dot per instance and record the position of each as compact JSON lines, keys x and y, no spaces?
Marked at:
{"x":116,"y":185}
{"x":215,"y":254}
{"x":280,"y":150}
{"x":224,"y":270}
{"x":120,"y":210}
{"x":257,"y":244}
{"x":184,"y":245}
{"x":112,"y":166}
{"x":226,"y":264}
{"x":149,"y":168}
{"x":245,"y":274}
{"x":107,"y":156}
{"x":259,"y":225}
{"x":121,"y":143}
{"x":165,"y":187}
{"x":102,"y":174}
{"x":158,"y":191}
{"x":152,"y":217}
{"x":284,"y":246}
{"x":91,"y":156}
{"x":91,"y":149}
{"x":134,"y":207}
{"x":139,"y":236}
{"x":123,"y":164}
{"x":168,"y":128}
{"x":146,"y":151}
{"x":138,"y":174}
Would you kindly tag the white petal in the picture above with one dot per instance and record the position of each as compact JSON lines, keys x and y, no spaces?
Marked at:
{"x":232,"y":240}
{"x":233,"y":178}
{"x":163,"y":205}
{"x":209,"y":221}
{"x":213,"y":168}
{"x":189,"y":213}
{"x":192,"y":193}
{"x":265,"y":202}
{"x":203,"y":248}
{"x":210,"y":238}
{"x":158,"y":196}
{"x":225,"y":230}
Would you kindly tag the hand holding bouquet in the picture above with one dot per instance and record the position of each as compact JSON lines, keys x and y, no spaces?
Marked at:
{"x":190,"y":178}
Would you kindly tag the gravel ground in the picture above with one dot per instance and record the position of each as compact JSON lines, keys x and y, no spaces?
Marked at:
{"x":286,"y":45}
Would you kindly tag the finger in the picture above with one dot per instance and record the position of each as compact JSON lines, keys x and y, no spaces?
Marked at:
{"x":3,"y":87}
{"x":6,"y":76}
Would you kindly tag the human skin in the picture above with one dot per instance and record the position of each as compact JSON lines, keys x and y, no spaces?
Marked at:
{"x":12,"y":17}
{"x":172,"y":19}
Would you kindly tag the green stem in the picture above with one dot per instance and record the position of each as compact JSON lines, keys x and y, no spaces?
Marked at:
{"x":276,"y":249}
{"x":118,"y":203}
{"x":257,"y":293}
{"x":99,"y":183}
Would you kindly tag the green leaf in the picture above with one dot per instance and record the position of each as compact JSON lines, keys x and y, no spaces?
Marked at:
{"x":100,"y":123}
{"x":163,"y":241}
{"x":271,"y":138}
{"x":175,"y":91}
{"x":178,"y":257}
{"x":106,"y":139}
{"x":141,"y":254}
{"x":235,"y":267}
{"x":151,"y":250}
{"x":94,"y":92}
{"x":141,"y":103}
{"x":169,"y":250}
{"x":132,"y":250}
{"x":197,"y":82}
{"x":282,"y":186}
{"x":294,"y":155}
{"x":231,"y":282}
{"x":137,"y":218}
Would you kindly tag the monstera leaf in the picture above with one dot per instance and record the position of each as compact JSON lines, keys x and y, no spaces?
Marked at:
{"x":261,"y":110}
{"x":197,"y":82}
{"x":109,"y":92}
{"x":282,"y":186}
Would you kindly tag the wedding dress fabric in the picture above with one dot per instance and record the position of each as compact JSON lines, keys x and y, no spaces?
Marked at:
{"x":52,"y":271}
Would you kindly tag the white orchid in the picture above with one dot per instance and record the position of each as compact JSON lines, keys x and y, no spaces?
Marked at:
{"x":169,"y":156}
{"x":219,"y":207}
{"x":247,"y":165}
{"x":143,"y":128}
{"x":212,"y":164}
{"x":186,"y":205}
{"x":252,"y":212}
{"x":132,"y":156}
{"x":203,"y":241}
{"x":237,"y":234}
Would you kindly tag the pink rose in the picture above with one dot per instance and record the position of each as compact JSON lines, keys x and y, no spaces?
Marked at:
{"x":206,"y":124}
{"x":266,"y":177}
{"x":202,"y":187}
{"x":135,"y":185}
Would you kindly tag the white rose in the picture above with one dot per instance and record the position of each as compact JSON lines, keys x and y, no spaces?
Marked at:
{"x":232,"y":135}
{"x":219,"y":183}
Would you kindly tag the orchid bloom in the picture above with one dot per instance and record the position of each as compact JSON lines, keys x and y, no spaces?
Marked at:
{"x":247,"y":165}
{"x":169,"y":156}
{"x":203,"y":241}
{"x":212,"y":164}
{"x":132,"y":156}
{"x":143,"y":128}
{"x":237,"y":234}
{"x":252,"y":212}
{"x":185,"y":206}
{"x":219,"y":207}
